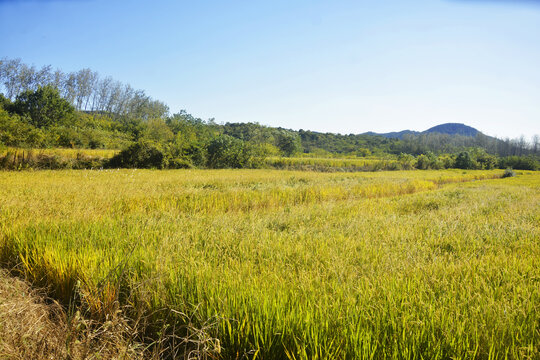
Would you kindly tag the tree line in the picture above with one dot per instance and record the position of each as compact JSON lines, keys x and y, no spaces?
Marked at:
{"x":85,"y":89}
{"x":40,"y":108}
{"x":444,"y":143}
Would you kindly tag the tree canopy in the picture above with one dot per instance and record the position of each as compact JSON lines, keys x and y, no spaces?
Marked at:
{"x":44,"y":107}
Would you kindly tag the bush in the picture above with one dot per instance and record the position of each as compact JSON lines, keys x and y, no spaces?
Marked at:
{"x":508,"y":173}
{"x":422,"y":162}
{"x":226,"y":151}
{"x":288,"y":143}
{"x":465,"y":161}
{"x":142,"y":154}
{"x":14,"y":131}
{"x":486,"y":161}
{"x":66,"y":137}
{"x":157,"y":130}
{"x":406,"y":161}
{"x":447,"y":161}
{"x":178,"y":163}
{"x":519,"y":163}
{"x":428,"y":161}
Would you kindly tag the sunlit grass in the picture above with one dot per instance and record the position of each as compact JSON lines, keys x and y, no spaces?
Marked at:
{"x":67,"y":153}
{"x":350,"y":164}
{"x":418,"y":264}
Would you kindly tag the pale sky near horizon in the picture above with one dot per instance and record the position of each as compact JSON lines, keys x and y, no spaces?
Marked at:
{"x":338,"y":66}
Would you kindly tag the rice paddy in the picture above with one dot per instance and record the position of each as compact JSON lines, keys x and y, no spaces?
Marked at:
{"x":333,"y":164}
{"x":272,"y":264}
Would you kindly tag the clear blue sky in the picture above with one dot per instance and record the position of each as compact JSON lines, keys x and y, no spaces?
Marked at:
{"x":338,"y":66}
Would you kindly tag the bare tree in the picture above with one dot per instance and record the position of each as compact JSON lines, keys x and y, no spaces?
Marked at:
{"x":42,"y":77}
{"x":84,"y":86}
{"x":114,"y":97}
{"x":69,"y":89}
{"x":103,"y":93}
{"x":58,"y":79}
{"x":84,"y":89}
{"x":9,"y":71}
{"x":536,"y":144}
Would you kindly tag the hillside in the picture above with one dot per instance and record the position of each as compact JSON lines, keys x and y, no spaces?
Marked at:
{"x":394,"y":134}
{"x":447,"y":128}
{"x":453,"y":129}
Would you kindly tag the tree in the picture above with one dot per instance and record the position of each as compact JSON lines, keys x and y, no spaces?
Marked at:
{"x":158,"y":131}
{"x":5,"y":103}
{"x":224,"y":151}
{"x":85,"y":85}
{"x":464,"y":161}
{"x":142,"y":154}
{"x":44,"y":107}
{"x":447,"y":161}
{"x":288,"y":143}
{"x":103,"y":93}
{"x":406,"y":161}
{"x":9,"y":70}
{"x":535,"y":144}
{"x":484,"y":160}
{"x":422,"y":162}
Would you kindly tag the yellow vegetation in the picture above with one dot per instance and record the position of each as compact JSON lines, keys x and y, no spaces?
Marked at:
{"x":278,"y":264}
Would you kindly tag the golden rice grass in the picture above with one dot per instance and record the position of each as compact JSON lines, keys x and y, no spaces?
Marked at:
{"x":277,"y":264}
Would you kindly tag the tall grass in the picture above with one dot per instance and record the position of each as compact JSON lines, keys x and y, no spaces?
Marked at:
{"x":333,"y":164}
{"x":68,"y":153}
{"x":37,"y":159}
{"x":290,"y":265}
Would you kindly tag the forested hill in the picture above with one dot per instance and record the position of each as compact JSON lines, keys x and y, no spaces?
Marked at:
{"x":447,"y":128}
{"x":393,"y":134}
{"x":453,"y":129}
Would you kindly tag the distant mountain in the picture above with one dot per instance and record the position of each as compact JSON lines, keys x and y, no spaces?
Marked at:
{"x":453,"y":129}
{"x":395,"y":134}
{"x":448,"y":128}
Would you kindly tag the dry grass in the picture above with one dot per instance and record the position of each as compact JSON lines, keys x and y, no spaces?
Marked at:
{"x":33,"y":327}
{"x":67,"y":153}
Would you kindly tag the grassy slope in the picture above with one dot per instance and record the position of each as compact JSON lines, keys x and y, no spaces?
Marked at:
{"x":304,"y":265}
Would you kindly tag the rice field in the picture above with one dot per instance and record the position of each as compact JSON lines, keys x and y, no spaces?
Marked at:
{"x":333,"y":164}
{"x":270,"y":264}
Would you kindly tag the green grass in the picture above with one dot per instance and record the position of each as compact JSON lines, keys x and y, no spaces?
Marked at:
{"x":300,"y":265}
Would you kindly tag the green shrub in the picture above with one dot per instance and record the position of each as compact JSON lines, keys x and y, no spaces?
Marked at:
{"x":142,"y":154}
{"x":406,"y":161}
{"x":178,"y":163}
{"x":422,"y":162}
{"x":508,"y":173}
{"x":485,"y":160}
{"x":519,"y":163}
{"x":288,"y":143}
{"x":15,"y":131}
{"x":224,"y":151}
{"x":465,"y":161}
{"x":447,"y":161}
